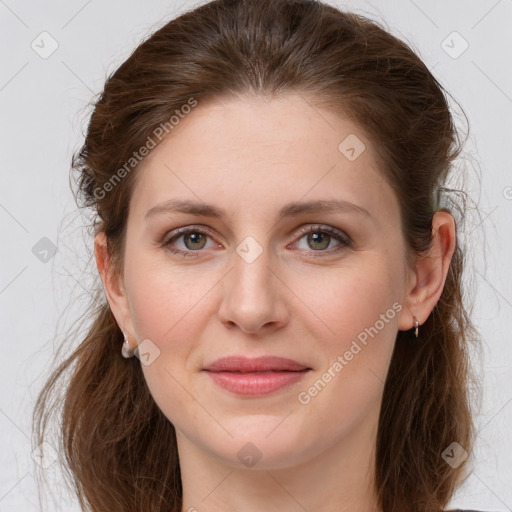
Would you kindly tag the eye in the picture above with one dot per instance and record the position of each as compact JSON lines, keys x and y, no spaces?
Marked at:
{"x":194,"y":239}
{"x":319,"y":238}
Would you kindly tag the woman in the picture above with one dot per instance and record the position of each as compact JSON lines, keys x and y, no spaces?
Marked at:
{"x":274,"y":248}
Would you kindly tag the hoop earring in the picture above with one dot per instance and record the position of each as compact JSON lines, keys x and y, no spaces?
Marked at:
{"x":126,"y":351}
{"x":416,"y":326}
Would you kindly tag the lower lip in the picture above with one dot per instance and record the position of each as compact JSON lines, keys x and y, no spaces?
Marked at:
{"x":253,"y":384}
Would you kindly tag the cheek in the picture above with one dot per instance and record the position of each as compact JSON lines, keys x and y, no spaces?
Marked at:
{"x":343,"y":302}
{"x":169,"y":308}
{"x":356,"y":310}
{"x":163,"y":301}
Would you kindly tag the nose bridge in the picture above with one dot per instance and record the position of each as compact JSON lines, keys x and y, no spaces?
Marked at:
{"x":250,"y":298}
{"x":251,"y":265}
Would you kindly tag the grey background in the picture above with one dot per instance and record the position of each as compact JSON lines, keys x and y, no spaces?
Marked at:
{"x":44,"y":112}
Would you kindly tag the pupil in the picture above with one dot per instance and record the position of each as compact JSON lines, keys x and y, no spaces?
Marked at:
{"x":318,"y":237}
{"x":195,"y":237}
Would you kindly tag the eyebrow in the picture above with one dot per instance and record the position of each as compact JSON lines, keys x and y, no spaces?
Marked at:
{"x":288,"y":210}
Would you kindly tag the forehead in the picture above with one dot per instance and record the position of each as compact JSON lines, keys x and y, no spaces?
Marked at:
{"x":263,"y":153}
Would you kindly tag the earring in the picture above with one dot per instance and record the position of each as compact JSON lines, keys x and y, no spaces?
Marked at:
{"x":416,"y":325}
{"x":125,"y":350}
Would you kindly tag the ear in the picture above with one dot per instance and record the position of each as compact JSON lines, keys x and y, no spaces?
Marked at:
{"x":427,"y":282}
{"x":114,"y":287}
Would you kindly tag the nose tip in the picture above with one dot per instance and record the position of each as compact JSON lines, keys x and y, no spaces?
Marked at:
{"x":252,"y":298}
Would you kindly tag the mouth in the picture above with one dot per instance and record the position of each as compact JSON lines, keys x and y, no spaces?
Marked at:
{"x":242,"y":364}
{"x":255,"y":376}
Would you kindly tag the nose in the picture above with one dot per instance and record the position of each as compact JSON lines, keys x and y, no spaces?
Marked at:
{"x":254,"y":296}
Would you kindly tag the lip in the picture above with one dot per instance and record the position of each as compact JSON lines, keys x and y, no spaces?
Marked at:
{"x":255,"y":364}
{"x":255,"y":376}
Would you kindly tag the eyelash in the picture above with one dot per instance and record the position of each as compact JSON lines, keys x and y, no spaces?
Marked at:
{"x":345,"y":240}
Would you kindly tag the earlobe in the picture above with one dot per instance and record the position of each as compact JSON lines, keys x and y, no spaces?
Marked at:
{"x":431,"y":271}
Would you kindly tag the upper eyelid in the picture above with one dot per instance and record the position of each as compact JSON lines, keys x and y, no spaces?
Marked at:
{"x":185,"y":230}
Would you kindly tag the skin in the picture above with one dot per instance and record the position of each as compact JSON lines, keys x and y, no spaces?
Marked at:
{"x":250,"y":156}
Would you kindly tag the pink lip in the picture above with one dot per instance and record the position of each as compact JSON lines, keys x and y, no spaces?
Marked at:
{"x":255,"y":376}
{"x":255,"y":364}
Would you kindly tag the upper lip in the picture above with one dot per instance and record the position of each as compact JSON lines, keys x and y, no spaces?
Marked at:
{"x":256,"y":364}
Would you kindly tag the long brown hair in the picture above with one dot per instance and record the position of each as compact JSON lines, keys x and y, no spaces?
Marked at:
{"x":111,"y":430}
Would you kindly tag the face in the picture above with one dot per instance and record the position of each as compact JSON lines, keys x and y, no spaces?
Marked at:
{"x":245,"y":275}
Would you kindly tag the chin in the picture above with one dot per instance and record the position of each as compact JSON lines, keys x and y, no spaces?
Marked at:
{"x":260,"y":442}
